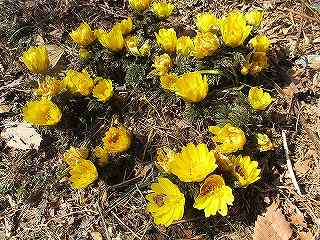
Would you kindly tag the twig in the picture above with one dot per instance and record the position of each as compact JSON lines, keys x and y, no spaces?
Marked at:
{"x":289,"y":164}
{"x":124,"y":225}
{"x":103,"y":222}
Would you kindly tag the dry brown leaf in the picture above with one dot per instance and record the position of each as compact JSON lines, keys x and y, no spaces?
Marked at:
{"x":272,"y":225}
{"x":38,"y":40}
{"x":306,"y":236}
{"x":5,"y":108}
{"x":298,"y":219}
{"x":54,"y":52}
{"x":96,"y":235}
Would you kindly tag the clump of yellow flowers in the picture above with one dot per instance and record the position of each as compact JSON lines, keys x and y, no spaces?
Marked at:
{"x":162,"y":9}
{"x":36,"y":59}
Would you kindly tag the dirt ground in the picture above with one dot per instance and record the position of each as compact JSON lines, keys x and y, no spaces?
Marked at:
{"x":36,"y":200}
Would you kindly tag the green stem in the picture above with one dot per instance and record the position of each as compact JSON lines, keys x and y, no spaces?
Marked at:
{"x":211,"y":71}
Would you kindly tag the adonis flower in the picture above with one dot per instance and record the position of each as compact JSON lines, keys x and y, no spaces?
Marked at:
{"x":192,"y":87}
{"x":214,"y":196}
{"x":254,"y":17}
{"x":83,"y":35}
{"x":113,"y":40}
{"x":167,"y":40}
{"x":231,"y":138}
{"x":79,"y":82}
{"x":193,"y":163}
{"x":117,"y":140}
{"x":103,"y":91}
{"x":36,"y":59}
{"x":162,"y":9}
{"x":125,"y":26}
{"x":264,"y":142}
{"x":234,"y":29}
{"x":83,"y":173}
{"x":260,"y":43}
{"x":140,"y":5}
{"x":168,"y":81}
{"x":259,"y":99}
{"x":184,"y":45}
{"x":255,"y":63}
{"x":207,"y":22}
{"x":49,"y":87}
{"x":164,"y":156}
{"x":41,"y":112}
{"x":73,"y":155}
{"x":166,"y":202}
{"x":205,"y":44}
{"x":162,"y":64}
{"x":133,"y":43}
{"x":103,"y":156}
{"x":245,"y":170}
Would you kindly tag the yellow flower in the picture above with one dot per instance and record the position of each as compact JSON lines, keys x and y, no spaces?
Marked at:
{"x":207,"y":22}
{"x":132,"y":43}
{"x":103,"y":155}
{"x":117,"y":140}
{"x":83,"y":35}
{"x":254,"y":17}
{"x":84,"y":54}
{"x":166,"y":202}
{"x":192,"y":87}
{"x":36,"y":59}
{"x":184,"y":45}
{"x":113,"y":40}
{"x":231,"y":138}
{"x":255,"y":63}
{"x":145,"y":49}
{"x":245,"y":170}
{"x":214,"y":196}
{"x":41,"y":112}
{"x":79,"y":82}
{"x":164,"y":156}
{"x":193,"y":163}
{"x":260,"y":43}
{"x":234,"y":29}
{"x":73,"y":155}
{"x":83,"y":172}
{"x":264,"y":142}
{"x":167,"y":40}
{"x":162,"y":64}
{"x":140,"y":5}
{"x":49,"y":87}
{"x":162,"y":9}
{"x":103,"y":91}
{"x":125,"y":26}
{"x":205,"y":44}
{"x":259,"y":99}
{"x":168,"y":81}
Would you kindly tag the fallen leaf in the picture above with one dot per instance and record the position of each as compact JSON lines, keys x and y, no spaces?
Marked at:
{"x":23,"y":136}
{"x":38,"y":40}
{"x":54,"y":53}
{"x":5,"y":108}
{"x":96,"y":235}
{"x":272,"y":225}
{"x":306,"y":236}
{"x":298,"y":219}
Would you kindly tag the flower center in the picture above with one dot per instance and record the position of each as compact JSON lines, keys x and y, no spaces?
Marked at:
{"x":240,"y":171}
{"x":159,"y":199}
{"x":114,"y":138}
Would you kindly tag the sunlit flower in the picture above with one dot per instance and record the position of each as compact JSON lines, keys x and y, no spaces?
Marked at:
{"x":184,"y":45}
{"x":113,"y":40}
{"x":132,"y":44}
{"x":166,"y":202}
{"x":79,"y":82}
{"x":259,"y":99}
{"x":49,"y":87}
{"x":145,"y":49}
{"x":168,"y":81}
{"x":192,"y":87}
{"x":83,"y":35}
{"x":36,"y":59}
{"x":103,"y":156}
{"x":84,"y":54}
{"x":162,"y":64}
{"x":73,"y":155}
{"x":260,"y":43}
{"x":234,"y":29}
{"x":264,"y":143}
{"x":103,"y":91}
{"x":254,"y":17}
{"x":193,"y":163}
{"x":230,"y":138}
{"x":41,"y":112}
{"x":117,"y":140}
{"x":164,"y":156}
{"x":205,"y":44}
{"x":223,"y":161}
{"x":83,"y":172}
{"x":125,"y":26}
{"x":167,"y":39}
{"x":245,"y":170}
{"x":140,"y":5}
{"x":207,"y":22}
{"x":255,"y":63}
{"x":214,"y":196}
{"x":162,"y":9}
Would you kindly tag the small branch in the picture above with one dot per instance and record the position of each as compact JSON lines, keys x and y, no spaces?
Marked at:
{"x":289,"y":164}
{"x":125,"y":226}
{"x":103,"y":222}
